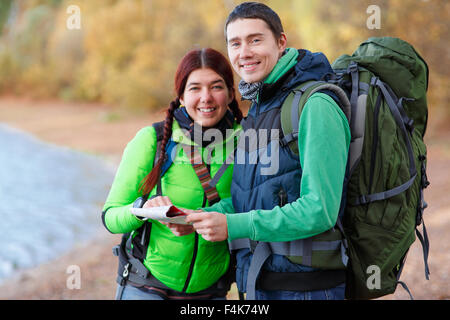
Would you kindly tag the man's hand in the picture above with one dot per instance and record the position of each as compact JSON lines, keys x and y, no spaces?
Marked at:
{"x":177,"y":229}
{"x":211,"y":225}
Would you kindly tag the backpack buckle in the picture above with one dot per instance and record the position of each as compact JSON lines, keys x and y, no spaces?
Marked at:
{"x":253,"y":245}
{"x":352,"y":67}
{"x":283,"y":142}
{"x":424,"y":179}
{"x":363,"y":199}
{"x":373,"y":81}
{"x":288,"y":139}
{"x":410,"y":126}
{"x":115,"y":250}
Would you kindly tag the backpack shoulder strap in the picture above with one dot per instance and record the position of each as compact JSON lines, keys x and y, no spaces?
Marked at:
{"x":202,"y":173}
{"x":296,"y":100}
{"x":159,"y":128}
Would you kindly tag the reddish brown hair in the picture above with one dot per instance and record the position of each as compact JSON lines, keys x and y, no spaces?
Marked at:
{"x":193,"y":60}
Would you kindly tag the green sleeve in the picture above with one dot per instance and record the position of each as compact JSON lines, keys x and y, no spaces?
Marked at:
{"x":324,"y":138}
{"x":223,"y":206}
{"x":136,"y":163}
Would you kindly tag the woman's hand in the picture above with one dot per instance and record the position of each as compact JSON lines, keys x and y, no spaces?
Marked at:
{"x":157,"y":202}
{"x":211,"y":225}
{"x":177,"y":229}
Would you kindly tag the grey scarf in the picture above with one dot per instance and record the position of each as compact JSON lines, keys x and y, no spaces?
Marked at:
{"x":249,"y":91}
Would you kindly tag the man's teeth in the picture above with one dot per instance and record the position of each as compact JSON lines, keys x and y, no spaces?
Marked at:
{"x":247,"y":66}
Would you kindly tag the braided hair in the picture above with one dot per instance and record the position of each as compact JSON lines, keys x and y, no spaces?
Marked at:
{"x":193,"y":60}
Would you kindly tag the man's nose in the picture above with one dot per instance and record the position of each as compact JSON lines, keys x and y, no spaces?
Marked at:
{"x":246,"y":51}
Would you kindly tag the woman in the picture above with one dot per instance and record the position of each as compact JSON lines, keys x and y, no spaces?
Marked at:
{"x":177,"y":263}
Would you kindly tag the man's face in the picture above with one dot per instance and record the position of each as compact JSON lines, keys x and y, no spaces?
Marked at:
{"x":252,"y":48}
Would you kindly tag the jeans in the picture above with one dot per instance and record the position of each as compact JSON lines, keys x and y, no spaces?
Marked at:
{"x":132,"y":293}
{"x":336,"y":293}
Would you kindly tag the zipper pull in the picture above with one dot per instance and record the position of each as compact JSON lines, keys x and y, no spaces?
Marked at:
{"x":282,"y":197}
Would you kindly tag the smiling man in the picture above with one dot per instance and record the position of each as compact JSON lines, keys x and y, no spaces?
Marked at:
{"x":281,"y":225}
{"x":253,"y":53}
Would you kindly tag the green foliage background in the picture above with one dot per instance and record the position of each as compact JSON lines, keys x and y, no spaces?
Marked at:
{"x":127,"y":51}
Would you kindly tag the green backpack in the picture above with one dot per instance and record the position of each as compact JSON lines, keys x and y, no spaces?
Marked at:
{"x":382,"y":89}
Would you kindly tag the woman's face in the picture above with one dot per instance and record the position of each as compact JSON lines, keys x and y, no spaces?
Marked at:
{"x":206,"y":97}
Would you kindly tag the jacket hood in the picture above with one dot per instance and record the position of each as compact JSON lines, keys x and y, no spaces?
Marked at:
{"x":310,"y":66}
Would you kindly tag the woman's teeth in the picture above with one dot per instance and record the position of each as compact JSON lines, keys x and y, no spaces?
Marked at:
{"x":207,"y":109}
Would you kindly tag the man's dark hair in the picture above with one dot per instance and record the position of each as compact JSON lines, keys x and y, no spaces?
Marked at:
{"x":256,"y":10}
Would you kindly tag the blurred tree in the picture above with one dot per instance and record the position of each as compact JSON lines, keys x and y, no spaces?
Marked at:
{"x":5,"y":6}
{"x":26,"y":51}
{"x":65,"y":54}
{"x":340,"y":26}
{"x":126,"y":52}
{"x":133,"y":48}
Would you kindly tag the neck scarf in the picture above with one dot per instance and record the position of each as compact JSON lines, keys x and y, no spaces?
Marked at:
{"x":196,"y":132}
{"x":249,"y":91}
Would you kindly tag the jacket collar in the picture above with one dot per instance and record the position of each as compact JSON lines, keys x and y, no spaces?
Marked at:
{"x":310,"y":66}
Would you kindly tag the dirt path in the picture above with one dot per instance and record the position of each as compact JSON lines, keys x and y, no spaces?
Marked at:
{"x":98,"y":130}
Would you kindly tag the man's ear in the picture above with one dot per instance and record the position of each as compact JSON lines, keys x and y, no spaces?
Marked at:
{"x":282,"y":43}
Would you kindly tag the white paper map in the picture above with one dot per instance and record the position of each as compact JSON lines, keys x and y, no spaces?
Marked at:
{"x":165,"y":213}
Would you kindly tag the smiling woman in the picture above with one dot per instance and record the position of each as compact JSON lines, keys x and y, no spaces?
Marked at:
{"x":206,"y":97}
{"x":198,"y":268}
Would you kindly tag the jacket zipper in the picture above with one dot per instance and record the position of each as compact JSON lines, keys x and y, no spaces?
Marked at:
{"x":194,"y":255}
{"x":191,"y":267}
{"x":258,"y":96}
{"x":282,"y":197}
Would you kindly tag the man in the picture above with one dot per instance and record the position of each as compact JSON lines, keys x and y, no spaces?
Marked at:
{"x":281,"y":224}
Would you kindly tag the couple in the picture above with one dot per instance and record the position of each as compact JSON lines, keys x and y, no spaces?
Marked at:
{"x":279,"y":227}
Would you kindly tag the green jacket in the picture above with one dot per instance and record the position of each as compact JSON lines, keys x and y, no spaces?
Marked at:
{"x":171,"y":258}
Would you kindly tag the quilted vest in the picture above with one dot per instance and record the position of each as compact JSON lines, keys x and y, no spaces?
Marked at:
{"x":267,"y":174}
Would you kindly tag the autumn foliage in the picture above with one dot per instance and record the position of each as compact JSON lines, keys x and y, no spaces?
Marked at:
{"x":126,"y":52}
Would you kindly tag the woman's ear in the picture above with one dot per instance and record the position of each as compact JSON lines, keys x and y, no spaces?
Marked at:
{"x":181,"y":101}
{"x":231,"y":95}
